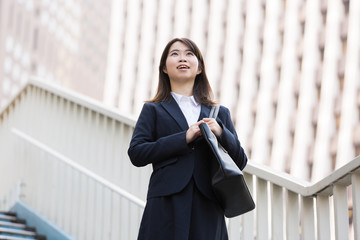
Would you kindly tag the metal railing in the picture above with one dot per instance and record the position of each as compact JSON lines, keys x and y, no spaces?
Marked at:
{"x":70,"y":154}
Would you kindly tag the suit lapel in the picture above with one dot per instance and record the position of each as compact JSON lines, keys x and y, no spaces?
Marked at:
{"x":174,"y":110}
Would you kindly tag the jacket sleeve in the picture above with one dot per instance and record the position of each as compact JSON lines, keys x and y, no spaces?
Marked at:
{"x":229,"y":140}
{"x":145,"y":147}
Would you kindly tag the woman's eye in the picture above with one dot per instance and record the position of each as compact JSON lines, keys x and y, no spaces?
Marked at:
{"x":174,"y":54}
{"x":190,"y":54}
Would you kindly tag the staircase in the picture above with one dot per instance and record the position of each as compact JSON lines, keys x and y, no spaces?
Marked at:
{"x":13,"y":228}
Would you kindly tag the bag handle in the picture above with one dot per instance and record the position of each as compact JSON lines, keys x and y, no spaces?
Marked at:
{"x":213,"y":114}
{"x":214,"y":111}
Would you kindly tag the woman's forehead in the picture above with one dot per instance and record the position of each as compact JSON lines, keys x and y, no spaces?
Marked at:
{"x":177,"y":46}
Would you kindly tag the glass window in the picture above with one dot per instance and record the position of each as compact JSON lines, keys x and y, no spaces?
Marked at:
{"x":14,"y":90}
{"x":35,"y":39}
{"x":29,"y":5}
{"x":9,"y":44}
{"x":24,"y":78}
{"x":16,"y":72}
{"x":25,"y":60}
{"x":44,"y":18}
{"x":18,"y":51}
{"x":6,"y":86}
{"x":54,"y":6}
{"x":8,"y":65}
{"x":45,"y":2}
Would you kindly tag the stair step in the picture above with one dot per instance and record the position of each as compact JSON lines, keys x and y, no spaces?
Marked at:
{"x":7,"y":217}
{"x":16,"y":231}
{"x":10,"y":217}
{"x":29,"y":229}
{"x":7,"y":236}
{"x":12,"y":224}
{"x":13,"y":228}
{"x":11,"y":237}
{"x":8,"y":213}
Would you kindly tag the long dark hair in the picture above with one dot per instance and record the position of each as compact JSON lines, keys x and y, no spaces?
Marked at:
{"x":202,"y":91}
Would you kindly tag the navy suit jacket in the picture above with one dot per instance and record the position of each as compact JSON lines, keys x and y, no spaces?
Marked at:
{"x":159,"y":139}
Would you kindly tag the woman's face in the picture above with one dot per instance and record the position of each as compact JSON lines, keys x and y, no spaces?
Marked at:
{"x":181,"y":63}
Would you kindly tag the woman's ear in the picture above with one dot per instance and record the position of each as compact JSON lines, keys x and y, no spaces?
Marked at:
{"x":165,"y":70}
{"x":199,"y":71}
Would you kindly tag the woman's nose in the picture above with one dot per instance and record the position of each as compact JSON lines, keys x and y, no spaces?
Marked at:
{"x":182,"y":58}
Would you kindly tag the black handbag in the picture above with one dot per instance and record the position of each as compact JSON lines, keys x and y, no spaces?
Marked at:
{"x":228,"y":181}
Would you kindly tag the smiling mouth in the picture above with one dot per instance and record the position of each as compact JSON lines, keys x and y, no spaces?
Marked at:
{"x":182,"y":67}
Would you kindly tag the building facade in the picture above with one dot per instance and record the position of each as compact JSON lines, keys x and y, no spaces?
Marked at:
{"x":62,"y":41}
{"x":288,"y":71}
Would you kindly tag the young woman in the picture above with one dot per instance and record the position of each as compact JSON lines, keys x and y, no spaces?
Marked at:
{"x":180,"y":201}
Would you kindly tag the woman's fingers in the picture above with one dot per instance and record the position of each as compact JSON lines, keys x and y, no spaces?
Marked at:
{"x":193,"y":132}
{"x":214,"y":126}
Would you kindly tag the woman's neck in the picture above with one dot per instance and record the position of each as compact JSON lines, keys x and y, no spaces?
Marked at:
{"x":185,"y":89}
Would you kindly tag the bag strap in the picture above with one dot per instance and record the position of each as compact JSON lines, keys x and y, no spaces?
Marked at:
{"x":213,"y":114}
{"x":214,"y":111}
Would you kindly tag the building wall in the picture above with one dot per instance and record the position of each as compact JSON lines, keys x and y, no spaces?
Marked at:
{"x":65,"y":42}
{"x":287,"y":70}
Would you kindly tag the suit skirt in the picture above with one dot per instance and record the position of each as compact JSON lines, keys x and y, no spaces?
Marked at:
{"x":187,"y":215}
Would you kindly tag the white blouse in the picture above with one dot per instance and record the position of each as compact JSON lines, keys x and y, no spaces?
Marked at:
{"x":190,"y":108}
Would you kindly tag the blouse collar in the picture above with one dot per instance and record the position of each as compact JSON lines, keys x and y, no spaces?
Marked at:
{"x":179,"y":97}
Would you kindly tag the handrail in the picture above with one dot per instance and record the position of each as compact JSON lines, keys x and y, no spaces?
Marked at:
{"x":78,"y":167}
{"x":340,"y":176}
{"x":84,"y":101}
{"x":12,"y":99}
{"x":77,"y":98}
{"x":281,"y":179}
{"x":322,"y":187}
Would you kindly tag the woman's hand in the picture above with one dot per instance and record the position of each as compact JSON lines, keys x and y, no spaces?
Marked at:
{"x":193,"y":132}
{"x":214,"y":126}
